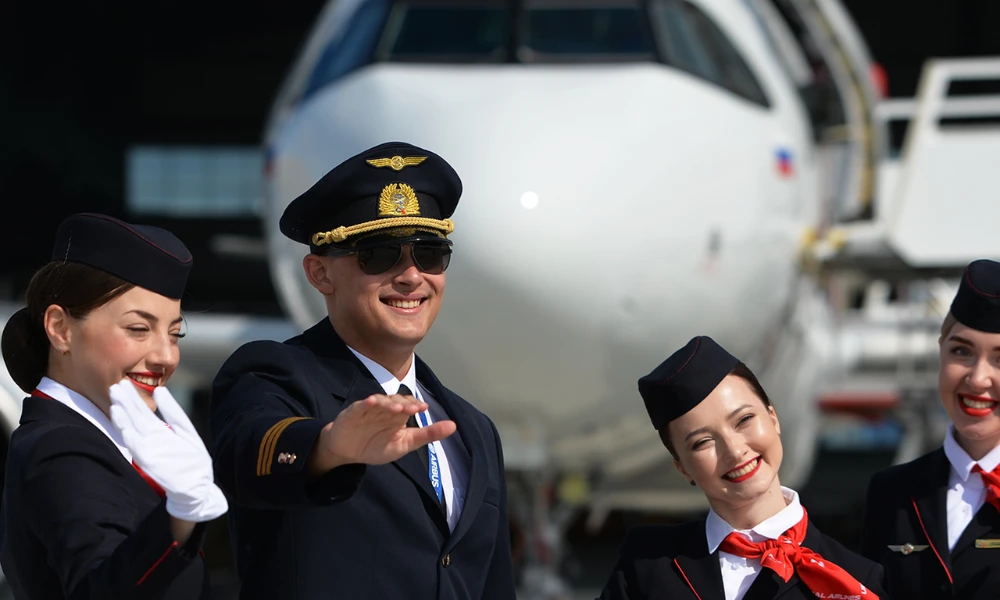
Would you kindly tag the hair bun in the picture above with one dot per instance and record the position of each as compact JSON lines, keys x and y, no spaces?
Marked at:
{"x":25,"y":350}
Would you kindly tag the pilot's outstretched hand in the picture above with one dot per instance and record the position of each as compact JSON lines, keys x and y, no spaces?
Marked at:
{"x":174,"y":457}
{"x":373,"y":431}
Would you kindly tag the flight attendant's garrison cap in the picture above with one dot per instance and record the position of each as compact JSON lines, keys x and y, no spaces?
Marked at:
{"x":149,"y":257}
{"x":390,"y":194}
{"x":977,"y":303}
{"x":686,"y":378}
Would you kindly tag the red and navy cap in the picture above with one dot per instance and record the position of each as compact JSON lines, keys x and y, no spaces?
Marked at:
{"x":977,"y":303}
{"x":392,"y":193}
{"x":149,"y":257}
{"x":686,"y":378}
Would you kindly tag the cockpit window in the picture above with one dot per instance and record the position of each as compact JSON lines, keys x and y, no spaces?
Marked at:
{"x":692,"y":42}
{"x":353,"y":49}
{"x":547,"y":30}
{"x":674,"y":32}
{"x":446,"y":32}
{"x":586,"y":31}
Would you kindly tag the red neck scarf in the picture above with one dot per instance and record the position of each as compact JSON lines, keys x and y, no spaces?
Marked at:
{"x":156,"y":487}
{"x":786,"y":555}
{"x":991,"y":480}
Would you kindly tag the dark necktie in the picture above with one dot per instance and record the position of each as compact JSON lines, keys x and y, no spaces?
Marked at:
{"x":404,"y":390}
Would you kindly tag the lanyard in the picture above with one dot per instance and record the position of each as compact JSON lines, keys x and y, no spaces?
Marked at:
{"x":433,"y":466}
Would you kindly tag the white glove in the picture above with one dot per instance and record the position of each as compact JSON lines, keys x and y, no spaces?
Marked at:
{"x":174,"y":456}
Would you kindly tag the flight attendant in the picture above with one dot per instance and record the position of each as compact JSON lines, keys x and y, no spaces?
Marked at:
{"x":102,"y":499}
{"x":756,"y":541}
{"x":934,"y":523}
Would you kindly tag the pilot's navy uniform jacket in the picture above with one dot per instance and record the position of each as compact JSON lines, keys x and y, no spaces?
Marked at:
{"x":80,"y":522}
{"x":664,"y":562}
{"x":358,"y":531}
{"x":906,"y":529}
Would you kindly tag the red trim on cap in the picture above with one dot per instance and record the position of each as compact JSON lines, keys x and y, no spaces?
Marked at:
{"x":931,"y":542}
{"x":975,"y":289}
{"x":693,"y":591}
{"x":697,"y":344}
{"x":139,"y":235}
{"x":156,"y":564}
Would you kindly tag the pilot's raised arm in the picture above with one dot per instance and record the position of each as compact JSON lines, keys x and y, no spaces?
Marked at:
{"x":352,"y":471}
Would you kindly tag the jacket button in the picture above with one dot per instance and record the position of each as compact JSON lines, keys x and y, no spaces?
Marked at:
{"x":446,"y":560}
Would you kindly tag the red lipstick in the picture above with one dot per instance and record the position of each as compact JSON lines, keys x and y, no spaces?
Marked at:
{"x":976,"y":412}
{"x":747,"y":475}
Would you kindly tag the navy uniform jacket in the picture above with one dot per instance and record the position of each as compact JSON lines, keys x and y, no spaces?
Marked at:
{"x":907,"y":504}
{"x":79,"y":522}
{"x":358,"y":531}
{"x":660,"y":562}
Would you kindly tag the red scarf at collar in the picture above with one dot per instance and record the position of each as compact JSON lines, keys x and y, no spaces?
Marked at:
{"x":991,"y":480}
{"x":786,"y":555}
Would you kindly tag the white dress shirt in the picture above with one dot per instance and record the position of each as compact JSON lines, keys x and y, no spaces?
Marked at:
{"x":453,"y":462}
{"x":966,"y":492}
{"x":738,"y":573}
{"x":87,"y":409}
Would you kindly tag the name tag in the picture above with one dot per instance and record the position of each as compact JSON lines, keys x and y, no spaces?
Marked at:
{"x":988,"y":543}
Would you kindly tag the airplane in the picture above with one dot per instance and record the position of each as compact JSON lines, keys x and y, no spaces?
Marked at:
{"x":637,"y":172}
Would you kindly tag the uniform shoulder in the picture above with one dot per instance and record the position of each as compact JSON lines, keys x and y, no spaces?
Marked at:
{"x":259,"y":352}
{"x":838,"y":553}
{"x":40,"y":441}
{"x":916,"y":469}
{"x":265,"y":357}
{"x":658,"y":541}
{"x":860,"y":567}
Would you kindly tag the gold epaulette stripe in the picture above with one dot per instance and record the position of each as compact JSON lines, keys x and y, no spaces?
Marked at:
{"x":340,"y":234}
{"x":265,"y":455}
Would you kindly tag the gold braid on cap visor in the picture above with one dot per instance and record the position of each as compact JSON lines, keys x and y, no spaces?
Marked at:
{"x":335,"y":236}
{"x":397,"y":201}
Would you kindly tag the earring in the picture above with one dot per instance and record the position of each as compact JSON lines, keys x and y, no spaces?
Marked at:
{"x":693,"y":484}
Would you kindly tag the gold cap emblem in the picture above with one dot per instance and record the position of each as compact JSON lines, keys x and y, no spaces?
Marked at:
{"x":396,"y":163}
{"x":398,"y":200}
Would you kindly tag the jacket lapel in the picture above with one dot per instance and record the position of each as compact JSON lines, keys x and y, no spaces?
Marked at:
{"x":931,"y":507}
{"x":701,"y":569}
{"x":351,"y":381}
{"x":984,"y":525}
{"x":470,"y":438}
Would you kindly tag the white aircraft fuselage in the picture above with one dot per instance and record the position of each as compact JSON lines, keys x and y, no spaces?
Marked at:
{"x":610,"y":212}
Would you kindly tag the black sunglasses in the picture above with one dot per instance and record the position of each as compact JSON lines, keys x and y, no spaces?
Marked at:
{"x":432,"y":257}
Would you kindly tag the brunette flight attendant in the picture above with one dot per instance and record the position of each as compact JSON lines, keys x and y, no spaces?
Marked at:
{"x":102,"y":499}
{"x":756,"y":542}
{"x":934,"y":523}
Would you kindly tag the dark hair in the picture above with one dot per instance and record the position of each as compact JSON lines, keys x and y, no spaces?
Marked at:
{"x":741,"y":371}
{"x":78,"y":289}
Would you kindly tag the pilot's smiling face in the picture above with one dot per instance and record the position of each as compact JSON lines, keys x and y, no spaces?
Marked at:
{"x":969,"y":385}
{"x":389,"y":311}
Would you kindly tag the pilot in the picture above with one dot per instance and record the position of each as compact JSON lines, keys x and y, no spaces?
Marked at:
{"x":934,"y":523}
{"x":102,"y":499}
{"x":352,"y":470}
{"x":757,"y":541}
